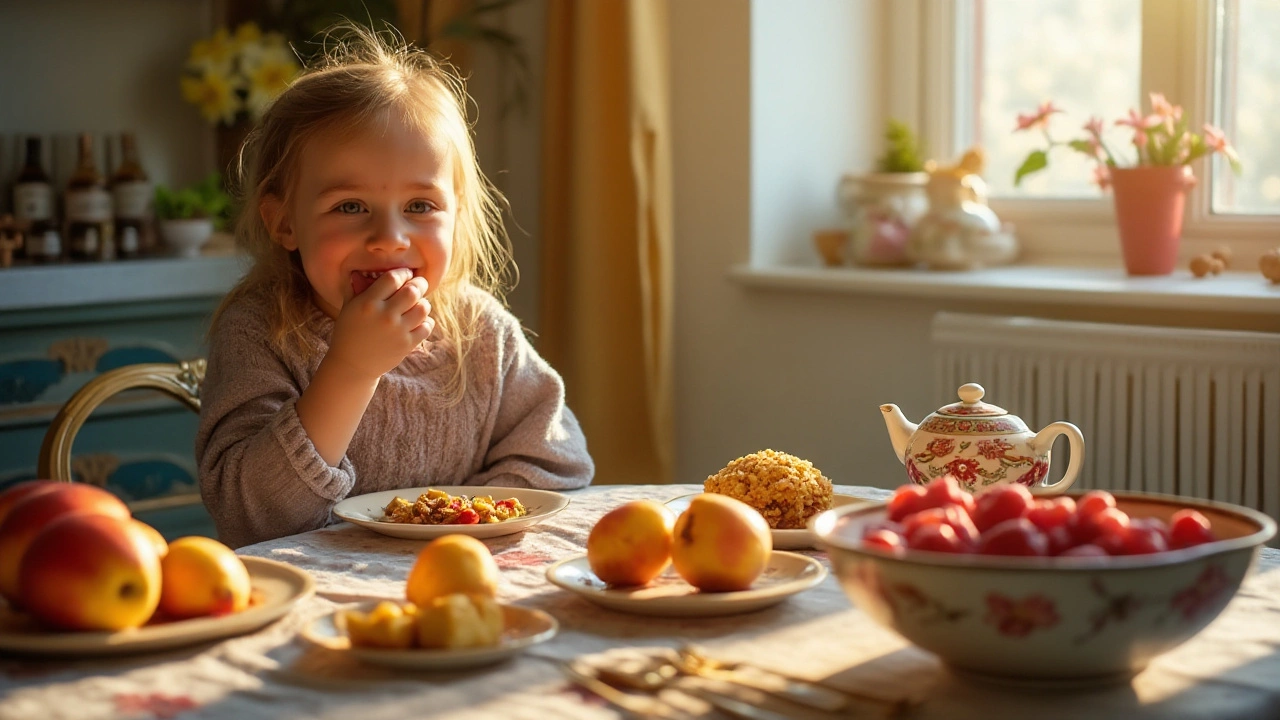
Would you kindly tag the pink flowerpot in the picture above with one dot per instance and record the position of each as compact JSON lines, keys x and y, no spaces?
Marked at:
{"x":1149,"y":205}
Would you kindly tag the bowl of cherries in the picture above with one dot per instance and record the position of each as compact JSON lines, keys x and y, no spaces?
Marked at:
{"x":1074,"y":589}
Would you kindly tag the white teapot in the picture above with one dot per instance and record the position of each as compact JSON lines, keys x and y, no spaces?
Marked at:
{"x":980,"y":445}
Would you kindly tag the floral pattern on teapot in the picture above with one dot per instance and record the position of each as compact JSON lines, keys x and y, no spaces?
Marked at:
{"x":980,"y":445}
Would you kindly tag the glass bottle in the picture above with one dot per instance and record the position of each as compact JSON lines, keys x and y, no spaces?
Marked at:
{"x":131,"y":194}
{"x":33,"y":203}
{"x":88,"y":207}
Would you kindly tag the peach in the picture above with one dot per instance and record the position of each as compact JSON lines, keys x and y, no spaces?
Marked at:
{"x":201,"y":576}
{"x":720,"y":544}
{"x":29,"y":515}
{"x":25,"y":489}
{"x":87,"y":571}
{"x":451,"y":564}
{"x":631,"y":544}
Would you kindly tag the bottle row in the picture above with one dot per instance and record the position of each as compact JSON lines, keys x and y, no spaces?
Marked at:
{"x":91,"y":216}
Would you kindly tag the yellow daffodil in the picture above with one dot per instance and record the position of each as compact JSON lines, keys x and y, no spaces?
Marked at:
{"x":269,"y":77}
{"x":248,"y":34}
{"x":217,"y":51}
{"x":214,"y":95}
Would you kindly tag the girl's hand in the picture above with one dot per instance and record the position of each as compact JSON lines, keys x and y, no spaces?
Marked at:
{"x":376,"y":329}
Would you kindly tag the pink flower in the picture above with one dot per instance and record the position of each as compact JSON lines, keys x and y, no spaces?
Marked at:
{"x":1094,"y":127}
{"x":1169,"y":113}
{"x":1102,"y":176}
{"x":1217,"y":141}
{"x":1138,"y":122}
{"x":1038,"y":118}
{"x":1140,"y":139}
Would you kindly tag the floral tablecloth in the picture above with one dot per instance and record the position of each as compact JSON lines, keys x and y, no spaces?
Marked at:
{"x":1230,"y":670}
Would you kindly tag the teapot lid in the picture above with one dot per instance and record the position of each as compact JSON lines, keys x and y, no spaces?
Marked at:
{"x":971,"y":404}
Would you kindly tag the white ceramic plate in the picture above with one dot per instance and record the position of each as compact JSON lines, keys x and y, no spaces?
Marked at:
{"x":670,"y":596}
{"x":797,"y":539}
{"x":366,"y":511}
{"x":523,"y":628}
{"x":277,"y":587}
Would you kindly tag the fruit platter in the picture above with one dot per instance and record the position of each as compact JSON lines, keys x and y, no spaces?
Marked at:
{"x":80,"y":577}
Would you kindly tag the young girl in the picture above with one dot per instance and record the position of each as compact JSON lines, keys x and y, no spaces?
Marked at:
{"x":364,"y":351}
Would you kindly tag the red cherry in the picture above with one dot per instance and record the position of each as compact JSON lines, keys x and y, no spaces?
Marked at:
{"x":945,"y":491}
{"x":938,"y":538}
{"x":1004,"y":502}
{"x":1189,"y":527}
{"x":1049,"y":513}
{"x":1095,"y":501}
{"x":905,"y":501}
{"x":1014,"y":537}
{"x":1107,"y":522}
{"x":1144,"y":539}
{"x":886,"y":540}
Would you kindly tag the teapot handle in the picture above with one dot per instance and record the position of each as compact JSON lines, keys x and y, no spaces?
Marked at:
{"x":1041,"y":444}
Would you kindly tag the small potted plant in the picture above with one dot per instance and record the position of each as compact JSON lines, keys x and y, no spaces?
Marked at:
{"x":188,"y":216}
{"x":1150,"y":185}
{"x":882,"y":206}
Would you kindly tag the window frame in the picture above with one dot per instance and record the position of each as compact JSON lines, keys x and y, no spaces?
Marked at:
{"x":924,"y":51}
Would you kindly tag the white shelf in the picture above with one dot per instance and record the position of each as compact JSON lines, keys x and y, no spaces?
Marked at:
{"x":1236,"y":292}
{"x":119,"y":281}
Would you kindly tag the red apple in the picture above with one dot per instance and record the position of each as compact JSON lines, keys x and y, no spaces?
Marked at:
{"x":30,"y":515}
{"x":88,"y":571}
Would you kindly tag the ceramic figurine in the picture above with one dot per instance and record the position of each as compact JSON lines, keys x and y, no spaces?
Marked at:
{"x":980,"y":445}
{"x":959,"y":231}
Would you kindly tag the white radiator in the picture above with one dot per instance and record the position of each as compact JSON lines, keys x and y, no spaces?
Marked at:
{"x":1171,"y":410}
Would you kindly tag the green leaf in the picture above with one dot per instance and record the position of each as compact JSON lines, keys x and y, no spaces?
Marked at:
{"x":1082,"y":146}
{"x":1035,"y":162}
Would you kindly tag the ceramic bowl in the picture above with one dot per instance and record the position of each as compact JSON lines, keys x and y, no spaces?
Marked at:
{"x":1048,"y":621}
{"x":185,"y":238}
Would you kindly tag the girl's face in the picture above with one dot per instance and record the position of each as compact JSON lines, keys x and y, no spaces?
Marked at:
{"x":366,"y":203}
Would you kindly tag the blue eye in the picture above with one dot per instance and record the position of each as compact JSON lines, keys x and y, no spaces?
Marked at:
{"x":418,"y":206}
{"x":349,"y":207}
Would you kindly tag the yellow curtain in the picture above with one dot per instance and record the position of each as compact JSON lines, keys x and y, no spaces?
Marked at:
{"x":606,"y":315}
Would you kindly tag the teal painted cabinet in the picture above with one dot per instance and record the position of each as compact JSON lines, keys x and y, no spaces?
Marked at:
{"x":139,"y":445}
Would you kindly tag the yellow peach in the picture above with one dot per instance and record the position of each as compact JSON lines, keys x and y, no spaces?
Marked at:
{"x":720,"y":544}
{"x":201,"y":576}
{"x":451,"y":564}
{"x":631,"y":544}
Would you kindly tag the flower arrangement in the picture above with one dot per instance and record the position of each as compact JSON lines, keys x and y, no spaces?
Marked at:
{"x":233,"y":75}
{"x":1161,"y":138}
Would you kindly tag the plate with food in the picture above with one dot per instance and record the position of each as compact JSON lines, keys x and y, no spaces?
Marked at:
{"x":424,"y":513}
{"x":274,"y":589}
{"x":669,"y":595}
{"x":459,"y":632}
{"x":785,"y":489}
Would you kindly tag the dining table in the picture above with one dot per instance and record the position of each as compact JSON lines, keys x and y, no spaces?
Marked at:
{"x":1229,"y":670}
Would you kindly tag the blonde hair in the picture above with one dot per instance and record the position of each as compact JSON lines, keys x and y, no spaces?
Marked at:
{"x":360,"y":76}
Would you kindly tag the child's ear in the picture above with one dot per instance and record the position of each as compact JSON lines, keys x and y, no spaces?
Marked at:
{"x":277,"y":221}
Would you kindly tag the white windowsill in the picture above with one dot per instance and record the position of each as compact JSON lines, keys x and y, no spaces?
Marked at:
{"x":1235,"y":292}
{"x":118,"y":281}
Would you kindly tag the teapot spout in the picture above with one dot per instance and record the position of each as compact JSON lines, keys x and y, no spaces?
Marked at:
{"x":900,"y":430}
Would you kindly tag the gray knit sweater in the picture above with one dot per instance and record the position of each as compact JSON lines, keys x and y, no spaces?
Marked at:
{"x":261,"y":477}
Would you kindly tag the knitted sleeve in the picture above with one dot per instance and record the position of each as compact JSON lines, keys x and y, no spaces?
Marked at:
{"x":534,"y":440}
{"x":260,"y":476}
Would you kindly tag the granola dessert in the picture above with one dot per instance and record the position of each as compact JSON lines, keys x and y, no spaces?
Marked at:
{"x":786,"y":490}
{"x":437,"y":507}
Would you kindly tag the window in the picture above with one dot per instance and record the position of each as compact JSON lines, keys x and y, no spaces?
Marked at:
{"x":965,"y":69}
{"x":1247,"y":104}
